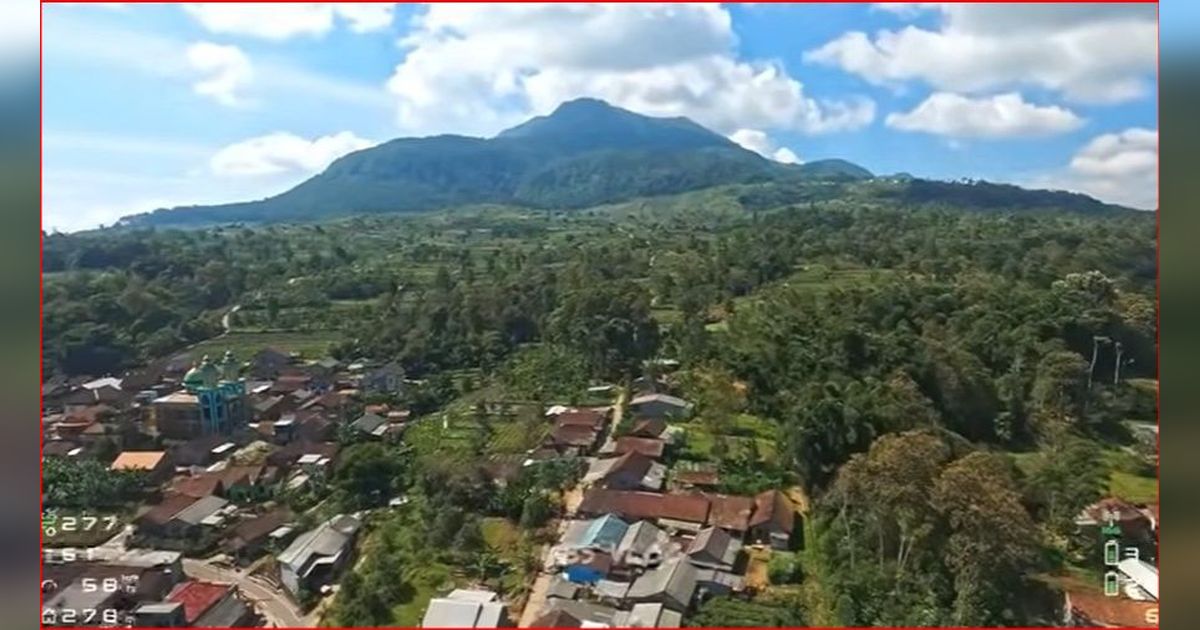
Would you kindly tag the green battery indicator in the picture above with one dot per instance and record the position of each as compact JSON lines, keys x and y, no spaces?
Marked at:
{"x":1111,"y":584}
{"x":1112,"y":553}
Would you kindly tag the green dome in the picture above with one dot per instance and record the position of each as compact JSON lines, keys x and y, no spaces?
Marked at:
{"x":203,"y":375}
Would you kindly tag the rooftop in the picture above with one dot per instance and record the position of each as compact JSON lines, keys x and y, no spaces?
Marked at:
{"x":138,"y":460}
{"x":197,"y":597}
{"x":646,"y":505}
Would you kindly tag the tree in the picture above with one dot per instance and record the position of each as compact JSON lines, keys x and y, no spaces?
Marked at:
{"x":367,"y":475}
{"x":992,"y":541}
{"x":1059,"y":393}
{"x":717,"y":393}
{"x":536,"y":510}
{"x":1066,"y":477}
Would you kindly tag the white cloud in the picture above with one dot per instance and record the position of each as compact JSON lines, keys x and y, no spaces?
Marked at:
{"x":759,"y":142}
{"x":1000,"y":116}
{"x":1087,"y":52}
{"x":1117,"y":167}
{"x":280,"y":21}
{"x":479,"y":68}
{"x":282,"y":152}
{"x":226,"y":72}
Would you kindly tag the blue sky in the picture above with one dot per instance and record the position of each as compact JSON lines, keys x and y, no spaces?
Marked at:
{"x":148,"y":106}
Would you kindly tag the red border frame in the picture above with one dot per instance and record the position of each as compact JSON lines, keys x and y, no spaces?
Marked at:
{"x":42,"y":234}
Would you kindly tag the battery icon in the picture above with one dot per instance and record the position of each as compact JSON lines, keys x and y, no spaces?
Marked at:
{"x":1112,"y":553}
{"x":1111,"y":584}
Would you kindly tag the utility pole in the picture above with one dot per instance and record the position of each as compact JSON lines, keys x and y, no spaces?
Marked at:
{"x":1117,"y":367}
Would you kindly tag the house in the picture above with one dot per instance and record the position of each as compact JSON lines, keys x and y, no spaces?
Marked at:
{"x":1134,"y":524}
{"x":714,"y":548}
{"x":773,"y":519}
{"x":677,"y":511}
{"x":650,"y":447}
{"x":654,"y":616}
{"x":568,"y":613}
{"x":631,"y":471}
{"x":731,"y":513}
{"x":587,"y":567}
{"x":602,"y":533}
{"x":644,"y":545}
{"x":557,"y":618}
{"x":231,"y":482}
{"x":377,"y":427}
{"x":672,"y":584}
{"x":330,"y":402}
{"x":292,"y":453}
{"x":291,"y":383}
{"x":648,"y":428}
{"x":318,"y":555}
{"x":573,"y":439}
{"x":159,"y":615}
{"x":659,"y":406}
{"x":388,"y":379}
{"x":268,"y":363}
{"x":648,"y":385}
{"x":464,"y":608}
{"x":593,"y":418}
{"x":697,"y":476}
{"x":156,"y":464}
{"x":200,"y":451}
{"x":1096,"y":610}
{"x":198,"y":486}
{"x":180,"y":516}
{"x":250,"y":537}
{"x":211,"y":605}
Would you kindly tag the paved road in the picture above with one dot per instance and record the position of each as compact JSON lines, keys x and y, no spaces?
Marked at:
{"x":275,"y":605}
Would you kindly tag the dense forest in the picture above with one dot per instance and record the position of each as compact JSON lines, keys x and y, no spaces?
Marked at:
{"x":915,"y":361}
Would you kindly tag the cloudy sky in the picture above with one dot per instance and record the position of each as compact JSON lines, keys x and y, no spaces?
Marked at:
{"x":160,"y":105}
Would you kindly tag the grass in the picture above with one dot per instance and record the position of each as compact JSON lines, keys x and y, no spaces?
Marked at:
{"x":1133,"y":488}
{"x":1125,"y":480}
{"x":742,"y":434}
{"x":500,"y":535}
{"x":310,"y":345}
{"x":410,"y":613}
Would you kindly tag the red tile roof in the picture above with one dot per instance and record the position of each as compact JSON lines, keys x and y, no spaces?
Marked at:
{"x":198,"y":486}
{"x":730,"y":512}
{"x":197,"y":597}
{"x":646,"y":505}
{"x":697,"y":477}
{"x":581,"y":418}
{"x":574,"y":435}
{"x":649,"y":447}
{"x":774,"y":508}
{"x":1114,"y":612}
{"x":649,"y":427}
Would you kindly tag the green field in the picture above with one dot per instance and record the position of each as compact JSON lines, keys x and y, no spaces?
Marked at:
{"x":310,"y":345}
{"x":740,"y":436}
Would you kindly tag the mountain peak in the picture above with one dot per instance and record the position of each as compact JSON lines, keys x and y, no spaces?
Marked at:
{"x":584,"y":104}
{"x":588,"y":124}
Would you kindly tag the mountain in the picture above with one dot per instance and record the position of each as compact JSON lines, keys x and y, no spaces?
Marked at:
{"x":585,"y":153}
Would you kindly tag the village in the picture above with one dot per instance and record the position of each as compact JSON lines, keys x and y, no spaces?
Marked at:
{"x":639,"y":544}
{"x":640,"y":538}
